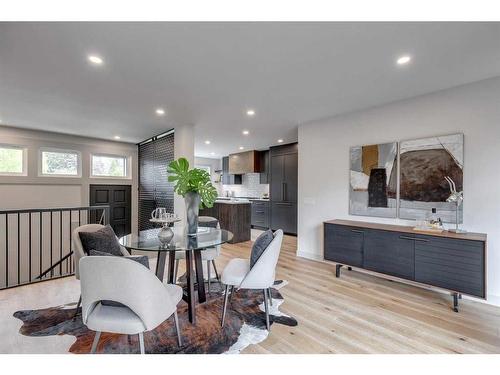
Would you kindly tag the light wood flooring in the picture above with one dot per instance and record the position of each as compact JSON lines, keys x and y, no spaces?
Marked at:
{"x":356,"y":313}
{"x":361,"y":313}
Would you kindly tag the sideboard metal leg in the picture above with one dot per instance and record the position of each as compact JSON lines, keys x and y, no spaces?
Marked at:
{"x":349,"y":268}
{"x":337,"y":270}
{"x":455,"y":302}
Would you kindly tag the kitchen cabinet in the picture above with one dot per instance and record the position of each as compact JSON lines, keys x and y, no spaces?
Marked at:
{"x":227,"y":178}
{"x":264,"y":167}
{"x":260,"y":214}
{"x":283,"y":187}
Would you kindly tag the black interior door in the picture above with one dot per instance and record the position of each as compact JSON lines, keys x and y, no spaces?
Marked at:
{"x":118,"y":198}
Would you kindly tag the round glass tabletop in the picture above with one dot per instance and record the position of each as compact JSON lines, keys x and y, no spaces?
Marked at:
{"x":147,"y":240}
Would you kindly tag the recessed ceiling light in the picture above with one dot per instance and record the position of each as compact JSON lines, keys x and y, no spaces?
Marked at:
{"x":280,"y":141}
{"x":246,"y":132}
{"x":403,"y":60}
{"x":242,"y":148}
{"x":94,"y":59}
{"x":250,"y":112}
{"x":117,"y":137}
{"x":212,"y":153}
{"x":207,"y":142}
{"x":160,"y":111}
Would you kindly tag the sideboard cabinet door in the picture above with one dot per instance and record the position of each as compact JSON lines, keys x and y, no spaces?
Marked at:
{"x":391,"y":253}
{"x":452,"y":264}
{"x":343,"y":244}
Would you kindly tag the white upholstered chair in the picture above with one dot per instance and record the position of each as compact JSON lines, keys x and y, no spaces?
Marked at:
{"x":147,"y":301}
{"x":80,"y":252}
{"x":208,"y":255}
{"x":261,"y":276}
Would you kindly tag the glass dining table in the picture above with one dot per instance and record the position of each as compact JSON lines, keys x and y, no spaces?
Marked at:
{"x":192,"y":245}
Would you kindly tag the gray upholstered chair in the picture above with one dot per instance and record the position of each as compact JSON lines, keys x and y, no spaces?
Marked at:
{"x":208,"y":255}
{"x":261,"y":276}
{"x":147,"y":301}
{"x":80,"y":252}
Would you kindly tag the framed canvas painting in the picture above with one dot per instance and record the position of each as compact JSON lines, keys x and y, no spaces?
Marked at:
{"x":373,"y":180}
{"x":424,"y":165}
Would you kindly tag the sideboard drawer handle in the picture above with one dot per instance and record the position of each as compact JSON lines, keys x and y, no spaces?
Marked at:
{"x":357,"y":231}
{"x":407,"y":238}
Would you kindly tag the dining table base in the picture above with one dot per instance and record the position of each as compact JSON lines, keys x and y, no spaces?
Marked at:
{"x":194,"y":275}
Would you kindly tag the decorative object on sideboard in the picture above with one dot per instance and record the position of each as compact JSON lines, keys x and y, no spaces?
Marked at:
{"x":195,"y":187}
{"x":373,"y":180}
{"x":424,"y":163}
{"x":456,"y":197}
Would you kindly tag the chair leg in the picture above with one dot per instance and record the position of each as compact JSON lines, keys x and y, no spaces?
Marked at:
{"x":208,"y":275}
{"x":141,"y":342}
{"x":176,"y":321}
{"x":215,"y":269}
{"x":231,"y":294}
{"x":225,"y":305}
{"x":267,"y":310}
{"x":176,"y":269}
{"x":270,"y":296}
{"x":96,"y":341}
{"x":77,"y":307}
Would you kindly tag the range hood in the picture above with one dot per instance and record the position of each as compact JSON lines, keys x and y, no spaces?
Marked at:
{"x":244,"y":162}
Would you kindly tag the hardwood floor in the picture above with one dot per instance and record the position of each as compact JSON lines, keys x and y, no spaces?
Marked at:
{"x":357,"y":313}
{"x":361,"y":313}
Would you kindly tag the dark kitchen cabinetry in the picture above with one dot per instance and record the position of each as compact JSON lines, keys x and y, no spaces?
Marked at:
{"x":455,"y":262}
{"x":229,"y":179}
{"x":264,"y":167}
{"x":260,"y":214}
{"x":283,"y":187}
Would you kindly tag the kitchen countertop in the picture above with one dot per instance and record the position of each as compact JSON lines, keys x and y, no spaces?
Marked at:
{"x":233,"y":201}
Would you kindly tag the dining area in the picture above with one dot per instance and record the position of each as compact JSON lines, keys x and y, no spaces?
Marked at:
{"x":122,"y":295}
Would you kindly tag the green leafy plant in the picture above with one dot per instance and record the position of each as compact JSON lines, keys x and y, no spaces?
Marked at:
{"x":192,"y":180}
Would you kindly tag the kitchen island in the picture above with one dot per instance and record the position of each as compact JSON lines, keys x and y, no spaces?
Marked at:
{"x":234,"y":215}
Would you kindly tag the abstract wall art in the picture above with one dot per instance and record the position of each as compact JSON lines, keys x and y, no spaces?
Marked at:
{"x":424,"y":164}
{"x":373,"y":180}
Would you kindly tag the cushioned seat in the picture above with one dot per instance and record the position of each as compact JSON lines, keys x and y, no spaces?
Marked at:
{"x":235,"y":271}
{"x":115,"y":320}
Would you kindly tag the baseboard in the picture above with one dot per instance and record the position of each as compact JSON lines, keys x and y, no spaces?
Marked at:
{"x":309,"y":255}
{"x":492,"y":299}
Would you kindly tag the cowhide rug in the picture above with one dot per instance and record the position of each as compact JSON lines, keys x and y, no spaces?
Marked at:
{"x":244,"y":325}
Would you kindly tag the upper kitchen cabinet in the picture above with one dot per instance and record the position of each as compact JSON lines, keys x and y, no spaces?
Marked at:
{"x":283,"y":173}
{"x":227,"y":178}
{"x":264,"y":167}
{"x":244,"y":162}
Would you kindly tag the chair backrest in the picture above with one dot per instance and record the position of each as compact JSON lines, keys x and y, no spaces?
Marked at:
{"x":78,"y":247}
{"x":261,"y":276}
{"x":209,"y":219}
{"x":122,"y":280}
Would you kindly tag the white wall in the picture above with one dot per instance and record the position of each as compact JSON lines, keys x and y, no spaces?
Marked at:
{"x":472,"y":109}
{"x":32,"y":191}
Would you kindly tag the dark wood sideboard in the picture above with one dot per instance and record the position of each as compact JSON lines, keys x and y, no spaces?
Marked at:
{"x":451,"y":261}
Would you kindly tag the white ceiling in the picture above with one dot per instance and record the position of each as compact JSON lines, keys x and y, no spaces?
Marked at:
{"x":208,"y":74}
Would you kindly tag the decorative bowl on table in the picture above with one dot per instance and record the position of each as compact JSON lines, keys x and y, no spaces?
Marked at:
{"x":165,"y":234}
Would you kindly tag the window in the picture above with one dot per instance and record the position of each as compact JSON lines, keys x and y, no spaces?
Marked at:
{"x":59,"y":163}
{"x":13,"y":160}
{"x":109,"y":166}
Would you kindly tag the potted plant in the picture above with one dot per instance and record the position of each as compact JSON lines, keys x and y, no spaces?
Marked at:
{"x":195,"y":187}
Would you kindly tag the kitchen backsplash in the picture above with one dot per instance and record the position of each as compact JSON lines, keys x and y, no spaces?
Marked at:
{"x":250,"y":187}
